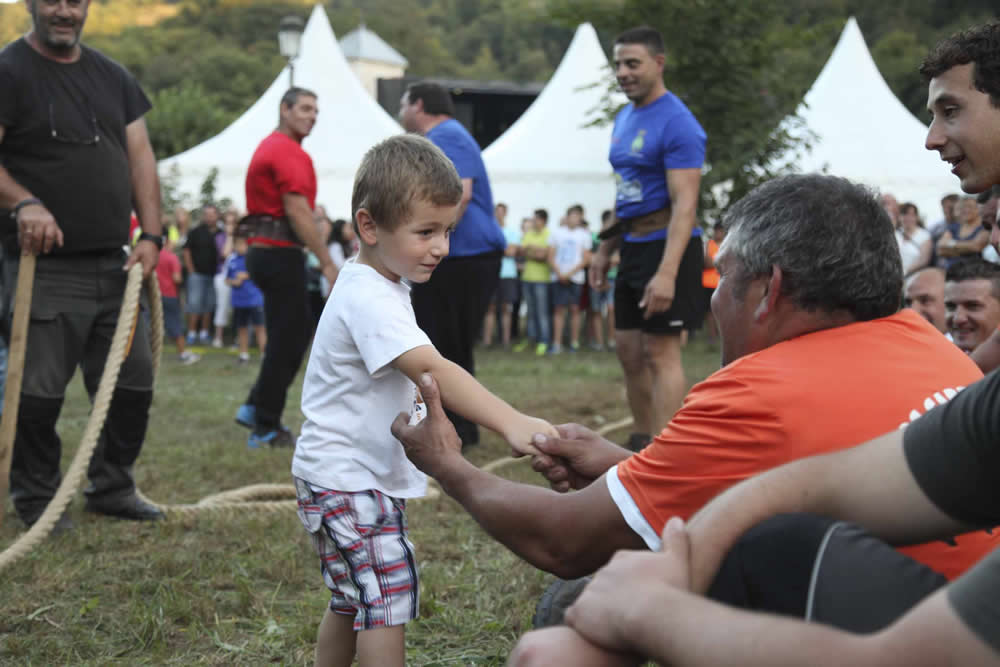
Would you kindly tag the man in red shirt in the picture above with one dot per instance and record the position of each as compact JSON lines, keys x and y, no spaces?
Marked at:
{"x":281,"y":196}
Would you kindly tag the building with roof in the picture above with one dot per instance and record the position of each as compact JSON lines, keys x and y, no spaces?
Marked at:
{"x":371,"y":58}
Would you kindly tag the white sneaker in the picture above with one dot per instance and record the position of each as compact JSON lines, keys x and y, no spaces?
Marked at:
{"x":204,"y":337}
{"x":217,"y":343}
{"x":189,"y":358}
{"x":244,"y":358}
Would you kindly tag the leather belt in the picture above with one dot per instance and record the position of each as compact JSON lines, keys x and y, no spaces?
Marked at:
{"x":257,"y":226}
{"x":639,"y":225}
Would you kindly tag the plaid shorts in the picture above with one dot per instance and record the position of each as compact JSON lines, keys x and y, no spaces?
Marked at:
{"x":365,"y":556}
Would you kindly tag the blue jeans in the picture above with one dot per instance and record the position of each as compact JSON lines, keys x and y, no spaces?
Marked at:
{"x":536,"y":295}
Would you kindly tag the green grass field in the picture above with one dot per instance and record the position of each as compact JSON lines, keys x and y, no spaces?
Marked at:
{"x":246,"y":590}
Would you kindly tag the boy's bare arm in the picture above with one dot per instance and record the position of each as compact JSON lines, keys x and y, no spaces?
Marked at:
{"x":463,"y":394}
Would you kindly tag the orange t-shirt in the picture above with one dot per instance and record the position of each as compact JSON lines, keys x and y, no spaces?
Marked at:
{"x":709,"y":276}
{"x":813,"y":394}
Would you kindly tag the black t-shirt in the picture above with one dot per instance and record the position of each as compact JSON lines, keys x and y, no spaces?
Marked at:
{"x":204,"y":254}
{"x":954,"y":453}
{"x":64,"y":140}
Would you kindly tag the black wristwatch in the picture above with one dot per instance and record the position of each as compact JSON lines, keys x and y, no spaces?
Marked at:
{"x":155,"y":238}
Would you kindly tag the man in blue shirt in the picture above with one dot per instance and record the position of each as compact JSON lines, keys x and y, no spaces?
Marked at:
{"x":657,"y":152}
{"x":451,"y":305}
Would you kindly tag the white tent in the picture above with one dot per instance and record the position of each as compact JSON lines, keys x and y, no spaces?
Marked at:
{"x":350,"y":122}
{"x":549,"y":158}
{"x":864,"y":133}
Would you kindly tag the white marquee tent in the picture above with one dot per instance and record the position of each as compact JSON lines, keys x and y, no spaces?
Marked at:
{"x":350,"y":122}
{"x":549,"y":158}
{"x":864,"y":133}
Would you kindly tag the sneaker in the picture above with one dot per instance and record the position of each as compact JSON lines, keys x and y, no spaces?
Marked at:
{"x":555,"y":349}
{"x":522,"y":346}
{"x":276,"y":438}
{"x":551,"y":607}
{"x":191,"y":338}
{"x":217,"y":343}
{"x":244,"y":358}
{"x":541,"y":349}
{"x":596,"y":347}
{"x":574,"y":347}
{"x":189,"y":357}
{"x":205,"y":337}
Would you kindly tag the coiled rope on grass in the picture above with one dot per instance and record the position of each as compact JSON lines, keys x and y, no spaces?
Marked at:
{"x":260,"y":498}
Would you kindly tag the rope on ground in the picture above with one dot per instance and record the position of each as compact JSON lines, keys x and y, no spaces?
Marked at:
{"x":261,"y":498}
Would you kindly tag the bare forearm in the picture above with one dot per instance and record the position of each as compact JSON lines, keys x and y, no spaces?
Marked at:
{"x":11,"y":192}
{"x":146,"y":192}
{"x":461,"y":393}
{"x":535,"y":523}
{"x":682,"y":222}
{"x":678,"y":628}
{"x":301,"y":218}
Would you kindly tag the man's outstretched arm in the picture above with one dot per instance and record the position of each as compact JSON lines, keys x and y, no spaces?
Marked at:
{"x":568,"y":534}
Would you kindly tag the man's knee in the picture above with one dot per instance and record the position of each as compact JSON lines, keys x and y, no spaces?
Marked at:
{"x":628,"y":347}
{"x":662,"y":352}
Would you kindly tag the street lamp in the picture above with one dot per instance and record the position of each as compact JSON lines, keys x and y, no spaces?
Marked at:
{"x":289,"y":39}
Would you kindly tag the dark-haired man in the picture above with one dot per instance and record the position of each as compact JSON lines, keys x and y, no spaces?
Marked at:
{"x":785,"y":321}
{"x":76,"y":159}
{"x":281,"y":196}
{"x":451,"y":305}
{"x":972,"y":301}
{"x":964,"y":99}
{"x":657,"y":152}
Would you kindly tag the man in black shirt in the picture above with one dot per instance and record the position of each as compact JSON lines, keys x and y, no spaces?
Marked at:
{"x":75,"y":159}
{"x":201,"y":259}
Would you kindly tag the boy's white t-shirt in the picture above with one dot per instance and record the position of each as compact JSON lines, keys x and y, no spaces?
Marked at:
{"x":570,"y":244}
{"x":351,"y":394}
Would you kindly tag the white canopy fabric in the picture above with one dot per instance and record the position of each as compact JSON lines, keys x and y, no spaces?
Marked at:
{"x":864,"y":133}
{"x":350,"y":122}
{"x":549,"y":158}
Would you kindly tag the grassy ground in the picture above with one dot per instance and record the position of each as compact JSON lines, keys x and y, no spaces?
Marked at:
{"x":245,"y":590}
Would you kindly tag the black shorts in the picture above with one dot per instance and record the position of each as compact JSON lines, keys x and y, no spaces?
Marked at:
{"x":247,"y":317}
{"x":639,"y":263}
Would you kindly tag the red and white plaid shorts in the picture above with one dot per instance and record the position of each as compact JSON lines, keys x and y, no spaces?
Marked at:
{"x":365,"y":555}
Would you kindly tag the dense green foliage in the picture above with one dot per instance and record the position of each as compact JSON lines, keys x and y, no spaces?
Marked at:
{"x":742,"y":65}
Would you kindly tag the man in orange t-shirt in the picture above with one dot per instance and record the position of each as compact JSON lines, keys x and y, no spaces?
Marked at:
{"x":816,"y":357}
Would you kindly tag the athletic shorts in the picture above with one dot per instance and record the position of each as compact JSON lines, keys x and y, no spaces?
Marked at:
{"x":248,"y":317}
{"x":365,"y":555}
{"x":200,"y":294}
{"x":638,"y":265}
{"x":172,"y":326}
{"x":508,"y":291}
{"x":566,"y":295}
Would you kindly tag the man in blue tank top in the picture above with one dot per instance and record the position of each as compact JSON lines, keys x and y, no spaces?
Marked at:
{"x":657,"y":152}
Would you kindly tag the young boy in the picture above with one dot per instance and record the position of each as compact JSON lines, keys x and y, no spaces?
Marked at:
{"x":247,"y":300}
{"x":569,"y":256}
{"x":168,"y":274}
{"x":352,"y":477}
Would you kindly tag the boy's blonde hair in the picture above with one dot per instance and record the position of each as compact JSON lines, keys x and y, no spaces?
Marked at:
{"x":399,"y":171}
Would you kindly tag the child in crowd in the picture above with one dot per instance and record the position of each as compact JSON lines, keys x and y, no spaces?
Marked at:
{"x":247,"y":300}
{"x":569,"y":256}
{"x":602,"y":299}
{"x":168,"y":274}
{"x":352,"y":476}
{"x":535,"y":284}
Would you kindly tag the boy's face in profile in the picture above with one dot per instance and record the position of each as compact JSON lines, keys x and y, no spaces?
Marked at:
{"x":240,"y":245}
{"x":412,"y":250}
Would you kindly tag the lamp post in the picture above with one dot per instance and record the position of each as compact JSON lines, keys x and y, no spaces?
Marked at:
{"x":289,"y":39}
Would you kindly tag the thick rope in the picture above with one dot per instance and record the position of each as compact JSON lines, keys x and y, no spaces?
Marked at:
{"x":265,"y":498}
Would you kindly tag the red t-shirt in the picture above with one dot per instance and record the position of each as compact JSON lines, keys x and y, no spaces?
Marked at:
{"x":165,"y":270}
{"x":813,"y":394}
{"x":279,"y":166}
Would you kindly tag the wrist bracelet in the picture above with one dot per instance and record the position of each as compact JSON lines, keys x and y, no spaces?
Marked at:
{"x":30,"y":201}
